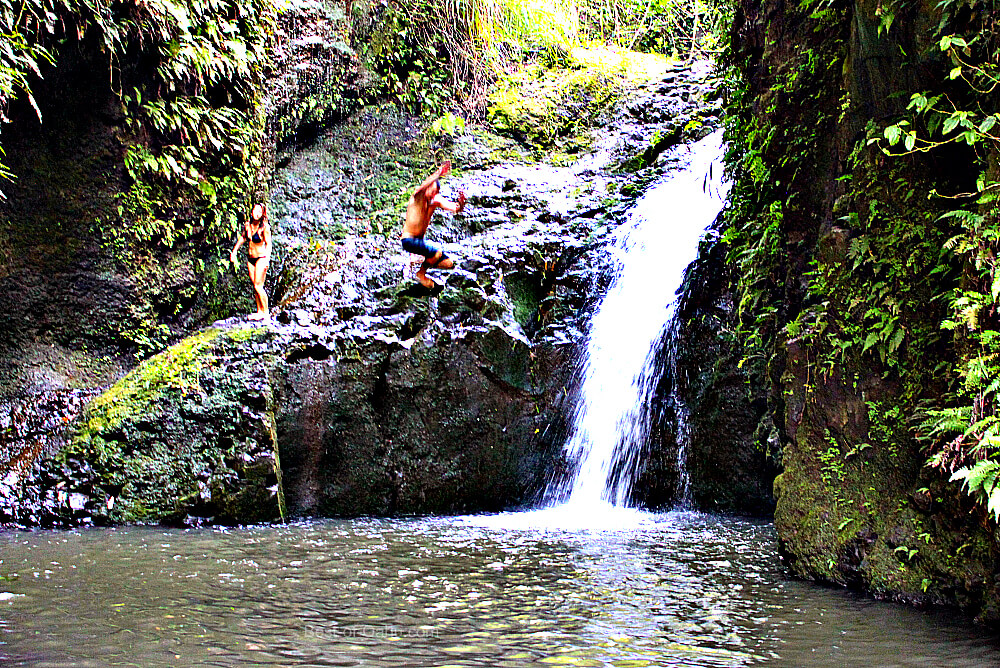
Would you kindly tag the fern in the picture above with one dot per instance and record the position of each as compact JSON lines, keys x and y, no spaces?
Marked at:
{"x":946,"y":421}
{"x":980,"y":480}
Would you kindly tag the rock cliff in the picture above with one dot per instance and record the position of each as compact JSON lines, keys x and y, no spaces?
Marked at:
{"x":838,"y":282}
{"x":367,"y":395}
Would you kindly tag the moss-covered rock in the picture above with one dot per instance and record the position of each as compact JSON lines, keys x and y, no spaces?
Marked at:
{"x":551,"y":102}
{"x":856,"y":508}
{"x":187,"y":436}
{"x":838,"y":277}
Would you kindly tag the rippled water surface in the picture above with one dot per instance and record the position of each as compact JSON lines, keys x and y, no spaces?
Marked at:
{"x":679,"y":589}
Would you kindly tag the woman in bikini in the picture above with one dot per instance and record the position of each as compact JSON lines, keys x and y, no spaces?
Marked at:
{"x":257,"y":234}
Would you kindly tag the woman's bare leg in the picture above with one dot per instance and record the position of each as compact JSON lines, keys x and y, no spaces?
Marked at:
{"x":258,"y":287}
{"x":256,"y":299}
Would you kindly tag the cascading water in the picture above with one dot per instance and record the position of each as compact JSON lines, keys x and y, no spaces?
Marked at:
{"x":682,"y":417}
{"x":611,"y":421}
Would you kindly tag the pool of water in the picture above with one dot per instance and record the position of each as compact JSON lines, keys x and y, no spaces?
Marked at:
{"x":529,"y":589}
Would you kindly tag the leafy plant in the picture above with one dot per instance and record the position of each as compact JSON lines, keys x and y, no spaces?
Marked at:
{"x":21,"y":56}
{"x":448,"y":124}
{"x":960,"y":117}
{"x":431,"y":56}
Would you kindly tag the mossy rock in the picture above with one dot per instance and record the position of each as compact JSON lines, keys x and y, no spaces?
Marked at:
{"x":188,"y":436}
{"x":557,"y":100}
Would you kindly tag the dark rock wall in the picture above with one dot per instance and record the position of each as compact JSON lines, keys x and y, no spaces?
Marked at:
{"x":855,"y":504}
{"x":61,"y":290}
{"x":427,"y":429}
{"x":708,"y":406}
{"x":315,"y":76}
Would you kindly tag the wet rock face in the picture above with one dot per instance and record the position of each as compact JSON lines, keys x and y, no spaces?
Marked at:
{"x":398,"y":401}
{"x":709,"y":406}
{"x":61,"y":294}
{"x":32,"y":424}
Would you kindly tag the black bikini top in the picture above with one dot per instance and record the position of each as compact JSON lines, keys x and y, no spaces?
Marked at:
{"x":258,"y":235}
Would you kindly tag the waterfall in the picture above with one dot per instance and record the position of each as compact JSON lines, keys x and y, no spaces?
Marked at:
{"x":682,"y":417}
{"x":611,"y":420}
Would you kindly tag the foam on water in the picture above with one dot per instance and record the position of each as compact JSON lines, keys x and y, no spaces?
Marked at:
{"x":595,"y":516}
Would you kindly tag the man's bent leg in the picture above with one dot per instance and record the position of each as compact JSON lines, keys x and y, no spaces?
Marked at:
{"x":440,"y":261}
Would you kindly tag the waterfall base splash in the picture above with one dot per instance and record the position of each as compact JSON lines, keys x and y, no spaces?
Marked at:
{"x":599,"y":516}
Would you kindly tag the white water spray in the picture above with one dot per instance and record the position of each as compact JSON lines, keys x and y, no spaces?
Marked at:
{"x":611,"y":421}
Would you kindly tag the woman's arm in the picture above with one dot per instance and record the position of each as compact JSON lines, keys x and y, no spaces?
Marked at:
{"x":239,"y":242}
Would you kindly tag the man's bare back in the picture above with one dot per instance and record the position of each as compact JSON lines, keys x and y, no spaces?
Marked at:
{"x":419,"y":210}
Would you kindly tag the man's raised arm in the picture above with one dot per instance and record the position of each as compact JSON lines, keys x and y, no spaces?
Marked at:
{"x":435,"y":175}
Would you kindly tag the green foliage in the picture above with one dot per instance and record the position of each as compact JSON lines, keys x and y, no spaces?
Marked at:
{"x":772,"y":150}
{"x":943,"y":117}
{"x":878,"y":271}
{"x":21,"y":55}
{"x":678,"y":28}
{"x":431,"y":56}
{"x":959,"y":117}
{"x":193,"y":119}
{"x":956,"y":123}
{"x":873,"y":303}
{"x":504,"y":28}
{"x":188,"y":76}
{"x":197,"y":118}
{"x":448,"y":124}
{"x":421,"y":52}
{"x":981,"y":481}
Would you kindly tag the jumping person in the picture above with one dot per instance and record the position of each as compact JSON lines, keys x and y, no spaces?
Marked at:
{"x":257,"y":234}
{"x":419,"y":210}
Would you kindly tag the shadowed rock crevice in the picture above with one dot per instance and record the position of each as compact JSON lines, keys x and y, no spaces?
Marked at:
{"x":705,"y":397}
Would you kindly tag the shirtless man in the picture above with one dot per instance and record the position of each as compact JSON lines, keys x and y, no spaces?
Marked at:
{"x":419,"y":210}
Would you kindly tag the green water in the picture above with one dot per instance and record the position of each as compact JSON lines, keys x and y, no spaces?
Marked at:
{"x":679,"y":589}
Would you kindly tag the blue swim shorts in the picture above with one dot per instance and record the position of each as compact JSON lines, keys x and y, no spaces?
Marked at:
{"x":420,"y":247}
